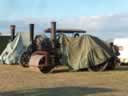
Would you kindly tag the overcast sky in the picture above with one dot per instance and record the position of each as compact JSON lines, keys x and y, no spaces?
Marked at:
{"x":105,"y":18}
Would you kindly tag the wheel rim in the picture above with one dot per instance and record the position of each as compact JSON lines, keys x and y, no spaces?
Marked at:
{"x":97,"y":68}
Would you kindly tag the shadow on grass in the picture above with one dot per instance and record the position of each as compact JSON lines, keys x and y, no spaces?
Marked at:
{"x":60,"y":91}
{"x":118,"y":68}
{"x":121,"y":68}
{"x":60,"y":71}
{"x":66,"y":69}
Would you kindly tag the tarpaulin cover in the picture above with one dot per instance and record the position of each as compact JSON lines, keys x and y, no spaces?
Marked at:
{"x":78,"y":52}
{"x":15,"y":48}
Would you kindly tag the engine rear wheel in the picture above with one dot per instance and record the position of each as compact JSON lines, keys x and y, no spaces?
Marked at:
{"x":98,"y":68}
{"x":112,"y":63}
{"x":24,"y":59}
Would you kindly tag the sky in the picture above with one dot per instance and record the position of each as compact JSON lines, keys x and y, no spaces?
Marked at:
{"x":106,"y":19}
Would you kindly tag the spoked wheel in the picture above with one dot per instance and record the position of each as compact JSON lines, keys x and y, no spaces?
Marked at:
{"x":24,"y":59}
{"x":112,"y":63}
{"x":98,"y":68}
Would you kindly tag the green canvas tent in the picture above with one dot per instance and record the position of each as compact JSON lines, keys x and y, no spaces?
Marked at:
{"x":15,"y":48}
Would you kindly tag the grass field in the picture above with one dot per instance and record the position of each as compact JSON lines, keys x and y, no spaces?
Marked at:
{"x":18,"y":81}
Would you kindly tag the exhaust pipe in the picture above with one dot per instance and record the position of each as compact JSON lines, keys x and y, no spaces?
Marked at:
{"x":53,"y":34}
{"x":12,"y":28}
{"x":31,"y":26}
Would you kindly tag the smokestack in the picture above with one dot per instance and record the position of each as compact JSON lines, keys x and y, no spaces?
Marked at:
{"x":12,"y":28}
{"x":31,"y":26}
{"x":53,"y":34}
